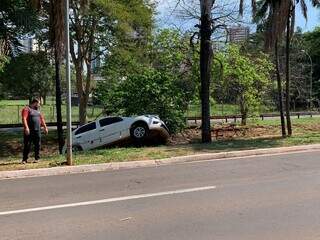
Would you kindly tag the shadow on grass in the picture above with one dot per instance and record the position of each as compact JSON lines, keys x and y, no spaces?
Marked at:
{"x":239,"y":144}
{"x":58,"y":164}
{"x":11,"y":144}
{"x":3,"y":164}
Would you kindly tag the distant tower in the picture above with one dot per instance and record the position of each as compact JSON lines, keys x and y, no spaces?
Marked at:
{"x":238,"y":34}
{"x":29,"y":45}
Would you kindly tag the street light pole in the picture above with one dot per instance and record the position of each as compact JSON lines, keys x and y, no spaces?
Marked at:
{"x":67,"y":49}
{"x":311,"y":82}
{"x":311,"y":74}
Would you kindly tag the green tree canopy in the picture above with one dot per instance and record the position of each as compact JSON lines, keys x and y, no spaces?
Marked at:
{"x":150,"y":92}
{"x":28,"y":75}
{"x":17,"y":18}
{"x":245,"y":77}
{"x":168,"y":56}
{"x":312,"y":41}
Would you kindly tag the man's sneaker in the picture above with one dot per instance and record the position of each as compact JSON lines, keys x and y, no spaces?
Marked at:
{"x":36,"y":161}
{"x":24,"y":162}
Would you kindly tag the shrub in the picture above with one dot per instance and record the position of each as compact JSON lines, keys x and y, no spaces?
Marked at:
{"x":150,"y":92}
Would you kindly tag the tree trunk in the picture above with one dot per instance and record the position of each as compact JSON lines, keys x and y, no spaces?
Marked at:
{"x":81,"y":96}
{"x":87,"y":90}
{"x":244,"y":118}
{"x":283,"y":126}
{"x":289,"y":127}
{"x":82,"y":109}
{"x":244,"y":114}
{"x":58,"y":101}
{"x":205,"y":70}
{"x":45,"y":99}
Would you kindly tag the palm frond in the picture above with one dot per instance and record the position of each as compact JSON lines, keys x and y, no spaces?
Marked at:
{"x":241,"y":7}
{"x":254,"y":7}
{"x":316,"y":3}
{"x":304,"y":9}
{"x":261,"y":11}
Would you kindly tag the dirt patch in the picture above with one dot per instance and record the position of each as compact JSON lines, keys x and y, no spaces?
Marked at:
{"x":12,"y":146}
{"x":262,"y":131}
{"x":185,"y":137}
{"x":224,"y":132}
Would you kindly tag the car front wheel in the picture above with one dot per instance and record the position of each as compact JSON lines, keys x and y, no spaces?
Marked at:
{"x":139,"y":132}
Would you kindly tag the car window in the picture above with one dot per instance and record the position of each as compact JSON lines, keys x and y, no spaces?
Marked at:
{"x":86,"y":128}
{"x":107,"y":121}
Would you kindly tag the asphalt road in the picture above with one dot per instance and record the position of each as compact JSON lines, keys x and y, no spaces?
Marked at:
{"x":256,"y":198}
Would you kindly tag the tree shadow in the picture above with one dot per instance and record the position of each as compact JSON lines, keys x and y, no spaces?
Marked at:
{"x":239,"y":144}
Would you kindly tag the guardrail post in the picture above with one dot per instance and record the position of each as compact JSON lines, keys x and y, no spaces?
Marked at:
{"x":53,"y":109}
{"x":18,"y":114}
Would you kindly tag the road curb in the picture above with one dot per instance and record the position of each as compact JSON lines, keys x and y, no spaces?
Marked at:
{"x":151,"y":163}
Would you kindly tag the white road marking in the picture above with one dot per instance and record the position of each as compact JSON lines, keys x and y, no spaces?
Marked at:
{"x":108,"y":200}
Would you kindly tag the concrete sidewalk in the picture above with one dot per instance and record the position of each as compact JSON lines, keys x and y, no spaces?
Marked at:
{"x":153,"y":163}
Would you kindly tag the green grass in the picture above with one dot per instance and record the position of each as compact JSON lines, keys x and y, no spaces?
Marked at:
{"x":10,"y":111}
{"x":216,"y":109}
{"x":306,"y":131}
{"x":13,"y":102}
{"x":306,"y":120}
{"x":222,"y":109}
{"x":150,"y":153}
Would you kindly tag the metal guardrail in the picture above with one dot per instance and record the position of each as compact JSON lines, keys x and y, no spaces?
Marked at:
{"x":225,"y":117}
{"x":50,"y":124}
{"x":262,"y":116}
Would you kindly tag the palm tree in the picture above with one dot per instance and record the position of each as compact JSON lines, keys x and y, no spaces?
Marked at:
{"x":279,"y":16}
{"x":290,"y":31}
{"x":273,"y":14}
{"x":56,"y":30}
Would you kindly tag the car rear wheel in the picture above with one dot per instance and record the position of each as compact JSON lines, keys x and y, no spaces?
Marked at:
{"x":139,"y":132}
{"x":76,"y":149}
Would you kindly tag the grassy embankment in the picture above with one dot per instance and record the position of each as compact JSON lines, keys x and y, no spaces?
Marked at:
{"x":261,"y":134}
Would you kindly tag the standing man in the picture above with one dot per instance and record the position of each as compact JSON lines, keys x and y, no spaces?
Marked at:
{"x":32,"y":121}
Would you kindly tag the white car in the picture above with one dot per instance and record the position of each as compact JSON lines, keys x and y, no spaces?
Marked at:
{"x":109,"y":130}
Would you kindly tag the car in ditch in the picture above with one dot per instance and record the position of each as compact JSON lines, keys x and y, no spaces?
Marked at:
{"x":111,"y":130}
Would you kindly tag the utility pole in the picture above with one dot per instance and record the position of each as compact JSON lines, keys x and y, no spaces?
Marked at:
{"x":67,"y":49}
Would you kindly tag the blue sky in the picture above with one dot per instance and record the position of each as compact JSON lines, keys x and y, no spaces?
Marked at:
{"x":313,"y":18}
{"x":168,"y":18}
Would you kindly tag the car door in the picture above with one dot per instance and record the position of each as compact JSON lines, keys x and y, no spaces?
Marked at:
{"x":110,"y":129}
{"x":87,"y":136}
